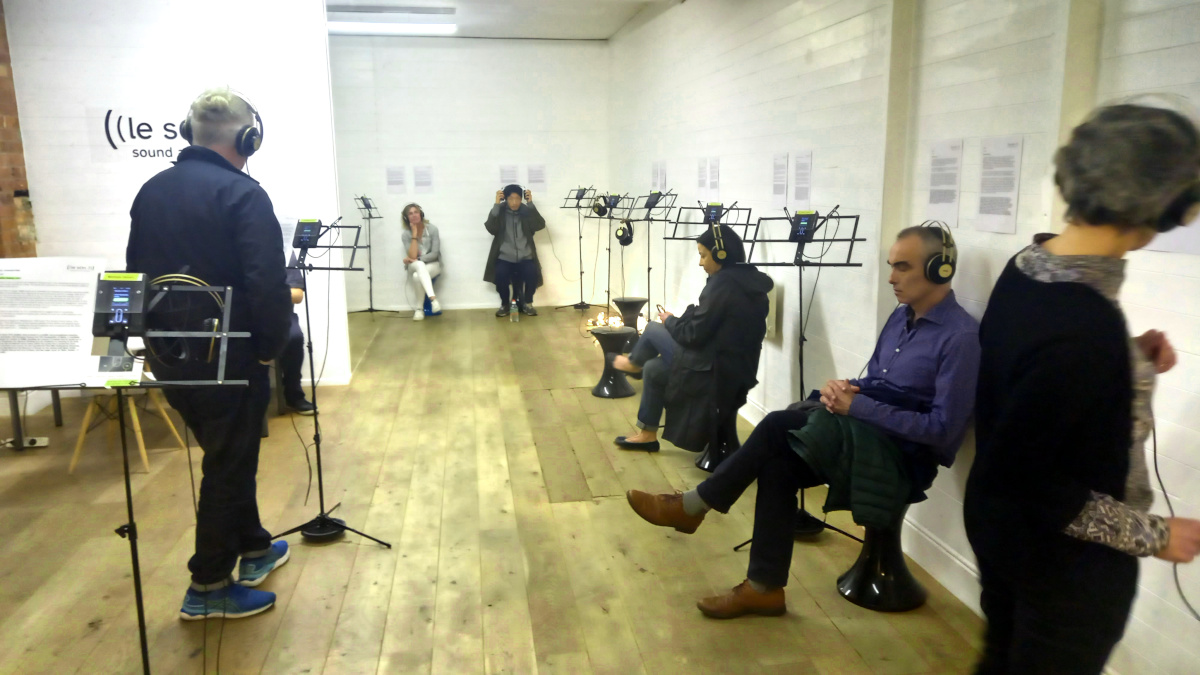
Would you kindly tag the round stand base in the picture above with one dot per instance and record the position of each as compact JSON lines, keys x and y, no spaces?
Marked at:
{"x":806,"y":524}
{"x":323,"y":528}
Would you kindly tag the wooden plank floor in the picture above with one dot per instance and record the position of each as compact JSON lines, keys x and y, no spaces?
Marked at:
{"x":474,"y":446}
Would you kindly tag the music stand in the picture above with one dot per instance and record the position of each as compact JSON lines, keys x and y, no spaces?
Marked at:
{"x":369,"y":212}
{"x":662,"y":203}
{"x":323,"y":527}
{"x":613,"y":203}
{"x":579,"y":199}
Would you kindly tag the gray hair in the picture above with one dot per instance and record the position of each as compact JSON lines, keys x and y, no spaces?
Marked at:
{"x":217,"y":115}
{"x":931,"y":236}
{"x":1126,"y":164}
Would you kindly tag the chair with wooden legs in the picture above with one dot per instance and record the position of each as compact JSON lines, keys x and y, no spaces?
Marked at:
{"x":107,"y":405}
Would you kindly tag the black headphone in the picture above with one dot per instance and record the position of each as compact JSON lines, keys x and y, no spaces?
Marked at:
{"x":249,"y":137}
{"x":941,"y":266}
{"x":1180,"y":211}
{"x":625,"y":233}
{"x":174,"y":312}
{"x":718,"y":249}
{"x":600,"y":206}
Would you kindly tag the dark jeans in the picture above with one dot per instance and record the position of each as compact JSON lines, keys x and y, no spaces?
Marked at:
{"x":767,"y":457}
{"x":291,"y":361}
{"x":1063,"y":627}
{"x":522,"y":276}
{"x":227,"y":422}
{"x":653,"y":352}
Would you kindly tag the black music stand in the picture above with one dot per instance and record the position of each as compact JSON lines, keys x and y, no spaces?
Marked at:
{"x":658,"y":206}
{"x":613,"y":203}
{"x":579,"y":199}
{"x":369,"y":212}
{"x":323,"y":528}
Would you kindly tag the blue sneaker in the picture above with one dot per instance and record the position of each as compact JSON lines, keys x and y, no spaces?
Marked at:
{"x":254,"y":571}
{"x":230,"y":602}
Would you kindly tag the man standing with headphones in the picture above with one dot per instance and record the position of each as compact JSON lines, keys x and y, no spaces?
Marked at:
{"x":205,"y":218}
{"x":513,"y":260}
{"x":918,"y":393}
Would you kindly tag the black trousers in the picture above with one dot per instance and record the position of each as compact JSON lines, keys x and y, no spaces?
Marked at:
{"x":1066,"y":622}
{"x":522,"y":276}
{"x":227,"y":423}
{"x":291,"y":361}
{"x":767,"y":457}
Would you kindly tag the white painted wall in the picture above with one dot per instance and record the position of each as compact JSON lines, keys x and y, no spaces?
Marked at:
{"x":744,"y":81}
{"x":465,"y":107}
{"x":75,"y":59}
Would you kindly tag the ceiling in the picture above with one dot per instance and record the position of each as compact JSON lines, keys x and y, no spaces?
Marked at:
{"x":545,"y":19}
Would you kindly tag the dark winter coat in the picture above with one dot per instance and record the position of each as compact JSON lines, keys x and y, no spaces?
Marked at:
{"x":721,"y":339}
{"x":531,"y":222}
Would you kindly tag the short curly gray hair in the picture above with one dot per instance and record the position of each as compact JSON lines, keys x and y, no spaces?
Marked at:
{"x":1126,"y":164}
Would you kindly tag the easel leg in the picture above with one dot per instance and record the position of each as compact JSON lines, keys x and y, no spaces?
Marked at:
{"x":156,"y":401}
{"x":83,"y":429}
{"x":137,"y":432}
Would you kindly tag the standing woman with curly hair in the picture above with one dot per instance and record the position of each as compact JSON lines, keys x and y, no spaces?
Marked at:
{"x":422,"y":256}
{"x":1057,"y":503}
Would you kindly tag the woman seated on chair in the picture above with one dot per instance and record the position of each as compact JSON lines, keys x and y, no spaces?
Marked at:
{"x":706,"y":359}
{"x":423,"y":250}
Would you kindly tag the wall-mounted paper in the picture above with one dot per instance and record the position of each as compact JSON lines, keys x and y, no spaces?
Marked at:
{"x":537,"y":177}
{"x":423,"y":179}
{"x":653,"y":175}
{"x":508,"y":174}
{"x":945,"y":172}
{"x":779,"y":181}
{"x":802,"y":180}
{"x":662,"y":174}
{"x":395,"y":180}
{"x":714,"y":178}
{"x":999,"y":184}
{"x":1180,"y":240}
{"x":702,"y":179}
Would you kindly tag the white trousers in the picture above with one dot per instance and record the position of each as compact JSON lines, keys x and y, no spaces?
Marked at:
{"x":421,"y":276}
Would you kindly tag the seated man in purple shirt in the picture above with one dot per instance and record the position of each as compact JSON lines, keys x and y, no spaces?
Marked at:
{"x":919,"y":393}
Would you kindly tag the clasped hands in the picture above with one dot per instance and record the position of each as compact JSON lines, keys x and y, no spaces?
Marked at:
{"x":837,"y":395}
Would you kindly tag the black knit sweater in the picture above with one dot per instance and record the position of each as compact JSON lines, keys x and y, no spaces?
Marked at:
{"x":1053,"y":419}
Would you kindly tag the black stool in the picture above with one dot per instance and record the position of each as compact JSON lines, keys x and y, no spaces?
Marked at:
{"x":880,"y":579}
{"x":723,"y":444}
{"x":612,"y":382}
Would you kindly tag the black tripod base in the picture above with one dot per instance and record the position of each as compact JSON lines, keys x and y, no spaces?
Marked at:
{"x":581,"y":305}
{"x":323,"y":528}
{"x":372,"y":310}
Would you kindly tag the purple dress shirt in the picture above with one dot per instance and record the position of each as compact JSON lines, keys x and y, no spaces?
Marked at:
{"x":935,"y":360}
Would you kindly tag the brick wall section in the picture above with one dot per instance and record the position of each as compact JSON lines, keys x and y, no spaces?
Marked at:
{"x":16,"y":217}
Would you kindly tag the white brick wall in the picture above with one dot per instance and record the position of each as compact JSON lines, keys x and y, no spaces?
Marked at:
{"x":466,"y":107}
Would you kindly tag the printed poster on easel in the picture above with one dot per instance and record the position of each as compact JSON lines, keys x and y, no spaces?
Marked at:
{"x":945,"y":171}
{"x":999,"y":184}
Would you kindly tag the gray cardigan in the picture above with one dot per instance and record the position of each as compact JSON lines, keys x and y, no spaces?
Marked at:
{"x":430,"y":248}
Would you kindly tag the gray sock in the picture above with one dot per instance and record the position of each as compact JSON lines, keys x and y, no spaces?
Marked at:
{"x":761,"y":588}
{"x":693,"y":505}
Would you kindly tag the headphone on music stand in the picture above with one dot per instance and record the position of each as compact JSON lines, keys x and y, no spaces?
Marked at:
{"x":941,"y":266}
{"x":174,"y":312}
{"x":625,"y":233}
{"x":600,"y":206}
{"x":248,"y":139}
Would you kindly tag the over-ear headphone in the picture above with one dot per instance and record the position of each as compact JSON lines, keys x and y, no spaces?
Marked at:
{"x":718,"y":249}
{"x":174,"y":314}
{"x":248,"y":139}
{"x":600,"y":206}
{"x":941,"y":266}
{"x":404,"y":212}
{"x":625,"y":233}
{"x":1182,"y":211}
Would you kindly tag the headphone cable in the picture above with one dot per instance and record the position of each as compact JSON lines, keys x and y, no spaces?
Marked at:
{"x":1171,"y":510}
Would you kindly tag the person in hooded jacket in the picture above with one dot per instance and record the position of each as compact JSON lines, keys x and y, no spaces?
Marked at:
{"x":705,"y":361}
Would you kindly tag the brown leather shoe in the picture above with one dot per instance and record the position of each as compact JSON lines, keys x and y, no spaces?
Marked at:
{"x":665,"y":510}
{"x":742,"y":600}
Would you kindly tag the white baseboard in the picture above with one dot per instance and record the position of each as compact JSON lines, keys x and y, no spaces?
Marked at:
{"x":943,"y":563}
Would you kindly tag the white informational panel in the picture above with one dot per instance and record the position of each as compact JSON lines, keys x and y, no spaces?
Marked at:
{"x":802,"y":180}
{"x":779,"y":169}
{"x":945,"y":171}
{"x":999,"y":184}
{"x":702,"y":179}
{"x":537,"y":178}
{"x":422,"y":179}
{"x":714,"y":179}
{"x":508,"y":174}
{"x":396,"y":183}
{"x":46,"y":335}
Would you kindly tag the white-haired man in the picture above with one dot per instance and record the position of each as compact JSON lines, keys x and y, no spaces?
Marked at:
{"x":205,"y":218}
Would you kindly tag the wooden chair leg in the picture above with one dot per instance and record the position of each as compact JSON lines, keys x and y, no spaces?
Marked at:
{"x":83,"y":429}
{"x":137,"y":431}
{"x":156,"y":400}
{"x":110,"y":436}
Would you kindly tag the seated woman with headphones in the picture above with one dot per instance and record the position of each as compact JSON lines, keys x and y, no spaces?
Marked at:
{"x":422,"y":257}
{"x":912,"y":407}
{"x":701,"y":360}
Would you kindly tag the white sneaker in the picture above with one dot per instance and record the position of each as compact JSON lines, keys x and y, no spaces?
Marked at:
{"x":419,"y":315}
{"x":435,"y":306}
